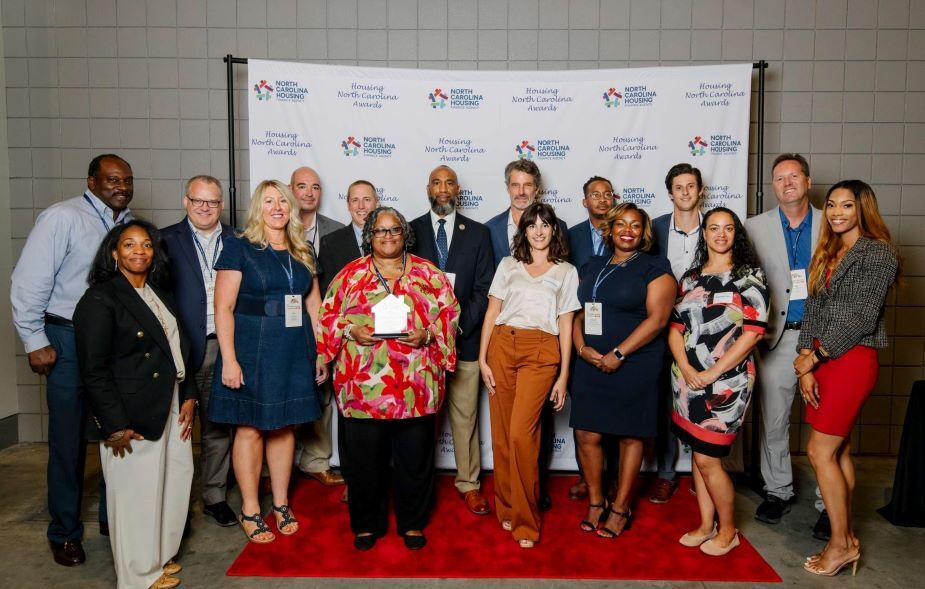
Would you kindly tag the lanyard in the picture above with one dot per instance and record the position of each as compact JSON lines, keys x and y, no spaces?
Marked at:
{"x":98,"y":214}
{"x":600,"y":279}
{"x":795,"y":242}
{"x":385,"y":284}
{"x":205,"y":261}
{"x":289,"y":274}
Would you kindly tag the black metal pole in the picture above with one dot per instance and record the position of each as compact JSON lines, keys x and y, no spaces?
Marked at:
{"x":229,"y":90}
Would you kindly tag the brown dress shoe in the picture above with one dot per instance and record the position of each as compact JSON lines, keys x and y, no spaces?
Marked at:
{"x":578,"y":491}
{"x":70,"y":553}
{"x":328,"y":477}
{"x":476,"y":503}
{"x":662,"y":490}
{"x":165,"y":581}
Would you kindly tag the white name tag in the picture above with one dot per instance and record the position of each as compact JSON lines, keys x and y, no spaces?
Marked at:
{"x":551,"y":282}
{"x":293,"y":310}
{"x":451,"y":276}
{"x":723,"y":298}
{"x":798,"y":286}
{"x":594,"y":319}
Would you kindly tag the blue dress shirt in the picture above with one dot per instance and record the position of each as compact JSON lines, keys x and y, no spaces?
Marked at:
{"x":799,"y":253}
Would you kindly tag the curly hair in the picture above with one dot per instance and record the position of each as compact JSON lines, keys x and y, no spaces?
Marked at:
{"x":743,"y":255}
{"x":104,"y":265}
{"x":406,"y":230}
{"x":647,"y":243}
{"x":539,"y":212}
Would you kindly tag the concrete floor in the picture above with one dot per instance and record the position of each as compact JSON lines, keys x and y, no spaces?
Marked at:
{"x":893,"y":556}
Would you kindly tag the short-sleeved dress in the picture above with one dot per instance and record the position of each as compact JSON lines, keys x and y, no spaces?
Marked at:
{"x":278,"y":362}
{"x":712,"y":311}
{"x":625,"y":402}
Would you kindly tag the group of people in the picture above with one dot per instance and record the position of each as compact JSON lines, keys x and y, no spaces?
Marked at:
{"x":652,"y":326}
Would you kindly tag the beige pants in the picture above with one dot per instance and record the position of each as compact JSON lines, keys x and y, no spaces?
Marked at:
{"x":462,"y":408}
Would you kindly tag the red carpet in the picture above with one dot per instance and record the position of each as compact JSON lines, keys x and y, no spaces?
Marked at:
{"x":461,"y":545}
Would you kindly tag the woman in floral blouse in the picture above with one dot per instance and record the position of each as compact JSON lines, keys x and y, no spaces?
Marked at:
{"x":389,"y":382}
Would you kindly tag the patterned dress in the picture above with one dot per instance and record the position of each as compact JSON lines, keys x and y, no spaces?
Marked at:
{"x":712,"y":311}
{"x":389,"y":380}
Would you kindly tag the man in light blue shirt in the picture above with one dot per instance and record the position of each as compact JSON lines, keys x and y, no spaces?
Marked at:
{"x":49,"y":278}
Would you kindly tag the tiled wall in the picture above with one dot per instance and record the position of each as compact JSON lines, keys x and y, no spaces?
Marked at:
{"x":846,"y":86}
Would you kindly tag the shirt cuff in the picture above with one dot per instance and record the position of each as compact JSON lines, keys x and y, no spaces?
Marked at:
{"x":36,"y":341}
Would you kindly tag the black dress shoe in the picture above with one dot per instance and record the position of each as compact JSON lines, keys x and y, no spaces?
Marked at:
{"x":545,"y":503}
{"x":68,"y":554}
{"x":104,"y":529}
{"x":772,"y":509}
{"x":364,"y":543}
{"x":415,"y":542}
{"x":221,"y":513}
{"x":823,"y":528}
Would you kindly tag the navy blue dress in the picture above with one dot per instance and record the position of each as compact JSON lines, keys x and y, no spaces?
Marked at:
{"x":625,"y":402}
{"x":278,"y":362}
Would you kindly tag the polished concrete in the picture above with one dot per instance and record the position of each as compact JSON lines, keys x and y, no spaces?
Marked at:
{"x":892,"y":556}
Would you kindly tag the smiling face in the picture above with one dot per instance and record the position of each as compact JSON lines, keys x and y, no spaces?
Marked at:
{"x":841,"y":211}
{"x":199,"y":202}
{"x":361,"y":200}
{"x":134,"y":252}
{"x":387,"y":245}
{"x":598,"y":199}
{"x":720,"y":233}
{"x":685,"y":192}
{"x":791,"y":185}
{"x":443,"y":191}
{"x":113,"y":183}
{"x":274,"y":209}
{"x":522,"y":189}
{"x":627,"y":231}
{"x":306,"y":187}
{"x":539,"y":235}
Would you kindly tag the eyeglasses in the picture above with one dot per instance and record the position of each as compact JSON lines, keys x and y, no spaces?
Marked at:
{"x":607,"y":195}
{"x":382,"y":231}
{"x":198,"y":202}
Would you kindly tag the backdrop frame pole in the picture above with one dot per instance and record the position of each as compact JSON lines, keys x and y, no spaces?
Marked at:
{"x":230,"y":61}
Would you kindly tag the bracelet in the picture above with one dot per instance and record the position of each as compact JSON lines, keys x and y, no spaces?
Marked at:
{"x":347,"y":335}
{"x":116,"y":436}
{"x":580,"y":350}
{"x":620,"y":356}
{"x":429,"y":336}
{"x":819,"y":356}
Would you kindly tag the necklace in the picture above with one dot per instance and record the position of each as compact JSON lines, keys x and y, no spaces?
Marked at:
{"x":148,"y":294}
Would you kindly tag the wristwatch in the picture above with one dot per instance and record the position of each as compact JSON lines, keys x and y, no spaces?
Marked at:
{"x":820,"y":357}
{"x":619,"y":354}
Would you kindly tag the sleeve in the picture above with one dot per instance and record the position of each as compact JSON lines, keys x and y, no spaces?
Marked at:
{"x":755,"y":301}
{"x":331,"y":321}
{"x":863,"y":296}
{"x":658,"y":265}
{"x":808,"y":329}
{"x":94,"y":326}
{"x":499,"y":286}
{"x":567,"y":297}
{"x":444,"y":327}
{"x":477,"y":303}
{"x":232,"y":256}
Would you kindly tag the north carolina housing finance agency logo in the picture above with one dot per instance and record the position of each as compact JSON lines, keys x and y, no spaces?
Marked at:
{"x":285,"y":91}
{"x":351,"y":146}
{"x":438,"y":98}
{"x":638,"y":95}
{"x":455,"y":98}
{"x":263,"y":90}
{"x":720,"y":144}
{"x":543,"y":149}
{"x":612,"y":98}
{"x":370,"y":146}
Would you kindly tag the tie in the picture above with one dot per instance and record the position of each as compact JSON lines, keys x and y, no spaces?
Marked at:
{"x":442,"y":249}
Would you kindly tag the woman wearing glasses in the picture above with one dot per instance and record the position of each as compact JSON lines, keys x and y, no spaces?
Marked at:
{"x":388,"y":324}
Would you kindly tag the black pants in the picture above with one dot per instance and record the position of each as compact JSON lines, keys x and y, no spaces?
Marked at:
{"x":368,"y":445}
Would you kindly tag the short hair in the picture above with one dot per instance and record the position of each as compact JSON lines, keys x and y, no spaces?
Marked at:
{"x":558,"y":247}
{"x":104,"y":266}
{"x":94,"y":167}
{"x":648,"y":237}
{"x":683,"y":168}
{"x":792,"y":157}
{"x":525,"y":166}
{"x":203,"y":178}
{"x":370,"y":224}
{"x":592,"y":180}
{"x":362,"y":183}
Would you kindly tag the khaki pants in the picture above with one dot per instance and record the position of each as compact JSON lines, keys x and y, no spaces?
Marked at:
{"x":524,"y":363}
{"x":462,"y":408}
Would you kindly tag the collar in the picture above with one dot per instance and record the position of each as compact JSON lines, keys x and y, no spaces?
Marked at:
{"x":695,"y":231}
{"x":206,"y":236}
{"x":595,"y":228}
{"x":100,"y":207}
{"x":450,"y":219}
{"x":807,"y":220}
{"x":510,"y":218}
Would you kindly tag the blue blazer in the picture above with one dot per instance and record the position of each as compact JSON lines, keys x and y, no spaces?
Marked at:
{"x":581,"y":248}
{"x":189,"y":290}
{"x":660,"y":226}
{"x":497,"y":227}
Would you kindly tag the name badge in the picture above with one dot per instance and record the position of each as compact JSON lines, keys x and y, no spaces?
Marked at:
{"x":451,"y":276}
{"x":723,"y":298}
{"x":551,"y":282}
{"x":798,"y":286}
{"x":594,"y":319}
{"x":293,"y":307}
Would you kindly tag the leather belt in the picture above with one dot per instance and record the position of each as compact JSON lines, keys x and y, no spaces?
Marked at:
{"x":55,"y":320}
{"x":793,"y":325}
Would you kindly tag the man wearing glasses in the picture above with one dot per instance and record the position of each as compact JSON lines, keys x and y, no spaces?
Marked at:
{"x":193,"y":245}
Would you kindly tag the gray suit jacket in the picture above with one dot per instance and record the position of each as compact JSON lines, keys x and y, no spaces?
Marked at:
{"x":326,"y":225}
{"x":767,"y":237}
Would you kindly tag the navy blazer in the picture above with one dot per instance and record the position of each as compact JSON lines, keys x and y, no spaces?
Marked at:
{"x":189,"y":289}
{"x":338,"y":249}
{"x":660,"y":226}
{"x":497,"y":227}
{"x":472,"y":260}
{"x":581,"y":248}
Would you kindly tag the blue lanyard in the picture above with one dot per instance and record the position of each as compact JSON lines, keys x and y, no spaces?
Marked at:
{"x":382,"y":279}
{"x":205,"y":261}
{"x":289,"y":274}
{"x":98,"y":214}
{"x":795,"y":242}
{"x":600,"y":279}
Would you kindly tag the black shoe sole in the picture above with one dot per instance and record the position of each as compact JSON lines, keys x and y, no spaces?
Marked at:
{"x":364,"y":543}
{"x":769,"y":520}
{"x":212,"y":515}
{"x":415,"y":542}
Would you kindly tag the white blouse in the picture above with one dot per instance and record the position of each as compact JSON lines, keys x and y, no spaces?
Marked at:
{"x":534,"y":303}
{"x":169,"y":323}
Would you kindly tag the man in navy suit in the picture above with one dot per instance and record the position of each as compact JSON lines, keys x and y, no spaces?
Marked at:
{"x":676,"y":236}
{"x":193,"y":245}
{"x":460,"y":247}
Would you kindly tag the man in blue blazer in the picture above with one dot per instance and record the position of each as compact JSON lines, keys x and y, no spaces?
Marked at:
{"x":193,"y":245}
{"x":460,"y":247}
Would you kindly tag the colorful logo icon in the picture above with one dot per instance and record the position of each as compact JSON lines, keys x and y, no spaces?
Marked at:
{"x":524,"y":150}
{"x":612,"y":98}
{"x":351,"y":146}
{"x":697,"y":145}
{"x":438,"y":98}
{"x":263,"y":90}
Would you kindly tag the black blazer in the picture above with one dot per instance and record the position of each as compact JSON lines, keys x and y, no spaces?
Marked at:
{"x":125,"y":360}
{"x":338,"y":249}
{"x":472,"y":260}
{"x":188,"y":288}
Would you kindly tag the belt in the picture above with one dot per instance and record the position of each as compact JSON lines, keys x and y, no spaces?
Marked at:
{"x":211,"y":336}
{"x":793,"y":325}
{"x":272,"y":307}
{"x":55,"y":320}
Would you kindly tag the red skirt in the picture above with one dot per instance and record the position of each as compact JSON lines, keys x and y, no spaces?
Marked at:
{"x":844,"y":385}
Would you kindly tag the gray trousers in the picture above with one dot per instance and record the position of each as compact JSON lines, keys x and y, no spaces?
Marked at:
{"x":315,"y":437}
{"x":777,"y":386}
{"x":215,"y":438}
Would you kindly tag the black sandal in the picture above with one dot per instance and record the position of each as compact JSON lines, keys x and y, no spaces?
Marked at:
{"x":287,"y":520}
{"x":587,"y":525}
{"x":261,"y":528}
{"x":606,"y":532}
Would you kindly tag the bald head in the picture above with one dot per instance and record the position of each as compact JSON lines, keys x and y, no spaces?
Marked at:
{"x":305,"y":184}
{"x":443,"y":190}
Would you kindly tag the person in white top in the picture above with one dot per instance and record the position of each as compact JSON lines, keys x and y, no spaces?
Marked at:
{"x":524,"y":354}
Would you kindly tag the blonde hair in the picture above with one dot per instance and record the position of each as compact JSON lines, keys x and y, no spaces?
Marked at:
{"x":255,"y":229}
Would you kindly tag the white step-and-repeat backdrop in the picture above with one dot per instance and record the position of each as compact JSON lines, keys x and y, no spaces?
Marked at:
{"x":393,"y":126}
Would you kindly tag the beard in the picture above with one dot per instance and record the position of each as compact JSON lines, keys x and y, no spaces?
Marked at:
{"x":443,"y":209}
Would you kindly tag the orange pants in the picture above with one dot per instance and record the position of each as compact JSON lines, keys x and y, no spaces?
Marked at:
{"x":524,"y":363}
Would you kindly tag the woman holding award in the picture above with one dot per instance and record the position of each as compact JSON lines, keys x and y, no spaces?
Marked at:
{"x":388,"y":324}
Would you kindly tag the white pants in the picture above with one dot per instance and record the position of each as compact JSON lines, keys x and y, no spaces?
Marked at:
{"x":147,"y":497}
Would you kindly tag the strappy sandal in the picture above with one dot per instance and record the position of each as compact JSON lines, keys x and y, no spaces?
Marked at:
{"x":587,"y":525}
{"x":261,"y":528}
{"x":287,"y":520}
{"x":606,"y":532}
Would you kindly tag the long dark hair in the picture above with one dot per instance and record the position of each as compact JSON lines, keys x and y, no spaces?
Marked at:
{"x":743,"y":256}
{"x":104,"y":266}
{"x":539,"y":212}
